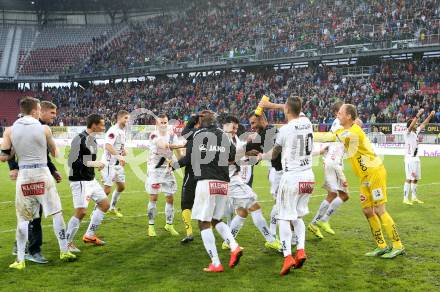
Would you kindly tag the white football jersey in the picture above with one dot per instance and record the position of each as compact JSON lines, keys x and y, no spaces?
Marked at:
{"x":336,"y":125}
{"x":115,"y":136}
{"x":234,"y":169}
{"x":335,"y":154}
{"x":157,"y":154}
{"x":412,"y":143}
{"x":245,"y":171}
{"x":296,"y":140}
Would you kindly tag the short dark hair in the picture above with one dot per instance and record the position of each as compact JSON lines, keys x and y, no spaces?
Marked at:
{"x":408,"y":123}
{"x":252,"y":114}
{"x":337,"y":106}
{"x":351,"y":110}
{"x":231,"y":119}
{"x":207,"y":118}
{"x":122,"y":113}
{"x":162,"y":116}
{"x":46,"y":105}
{"x":27,"y":104}
{"x":93,"y":119}
{"x":294,"y":104}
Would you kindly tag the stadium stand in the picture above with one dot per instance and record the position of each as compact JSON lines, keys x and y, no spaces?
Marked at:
{"x":391,"y":93}
{"x":261,"y":28}
{"x":54,"y":49}
{"x":213,"y":30}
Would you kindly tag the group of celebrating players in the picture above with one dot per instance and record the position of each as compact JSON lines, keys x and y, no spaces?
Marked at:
{"x":218,"y":178}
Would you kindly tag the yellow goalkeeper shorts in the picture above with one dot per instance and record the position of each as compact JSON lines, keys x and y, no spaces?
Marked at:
{"x":373,"y":190}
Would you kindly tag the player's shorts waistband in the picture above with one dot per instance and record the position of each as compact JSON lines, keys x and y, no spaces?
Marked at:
{"x":32,"y":166}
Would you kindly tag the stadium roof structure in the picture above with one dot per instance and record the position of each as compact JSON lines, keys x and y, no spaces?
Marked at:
{"x":87,"y":5}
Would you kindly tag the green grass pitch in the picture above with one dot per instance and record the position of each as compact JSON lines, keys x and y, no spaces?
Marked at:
{"x":133,"y":262}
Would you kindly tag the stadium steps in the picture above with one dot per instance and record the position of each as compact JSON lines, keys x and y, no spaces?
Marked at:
{"x":15,"y":52}
{"x":125,"y":28}
{"x":7,"y":52}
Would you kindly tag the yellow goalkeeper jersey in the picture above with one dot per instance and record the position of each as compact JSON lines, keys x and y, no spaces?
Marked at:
{"x":358,"y":149}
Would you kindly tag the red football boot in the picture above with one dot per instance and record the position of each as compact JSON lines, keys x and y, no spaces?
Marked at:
{"x":213,"y":269}
{"x":289,"y":262}
{"x":235,"y":257}
{"x":300,"y":258}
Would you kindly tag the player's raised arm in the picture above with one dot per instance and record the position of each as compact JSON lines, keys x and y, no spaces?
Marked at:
{"x":6,"y":151}
{"x":426,"y":121}
{"x":414,"y":120}
{"x":271,"y":105}
{"x":324,"y":137}
{"x":51,"y":146}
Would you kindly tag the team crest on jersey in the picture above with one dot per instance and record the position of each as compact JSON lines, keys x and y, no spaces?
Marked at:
{"x":111,"y":136}
{"x":363,"y":198}
{"x":202,"y":148}
{"x":377,"y":194}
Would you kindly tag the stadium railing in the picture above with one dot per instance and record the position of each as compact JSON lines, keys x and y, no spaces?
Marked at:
{"x":384,"y":48}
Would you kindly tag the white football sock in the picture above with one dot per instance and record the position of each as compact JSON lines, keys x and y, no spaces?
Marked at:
{"x":115,"y":199}
{"x":285,"y":237}
{"x":60,"y":231}
{"x":226,"y":234}
{"x":169,"y":213}
{"x":236,"y":225}
{"x":334,"y":205}
{"x":300,"y":232}
{"x":72,"y":228}
{"x":406,"y":189}
{"x":261,"y":224}
{"x":209,"y":243}
{"x":273,"y":221}
{"x":294,"y":238}
{"x":151,"y":212}
{"x":96,"y":220}
{"x":321,"y":211}
{"x":21,"y":236}
{"x":413,"y":191}
{"x":229,"y":213}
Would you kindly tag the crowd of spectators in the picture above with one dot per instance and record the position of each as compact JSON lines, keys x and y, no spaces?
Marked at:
{"x":231,"y":28}
{"x":392,"y":92}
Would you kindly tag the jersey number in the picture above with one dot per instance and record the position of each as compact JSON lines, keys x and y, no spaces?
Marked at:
{"x":305,"y":144}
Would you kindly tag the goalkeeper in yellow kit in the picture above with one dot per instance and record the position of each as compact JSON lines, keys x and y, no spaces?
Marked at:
{"x":373,"y":178}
